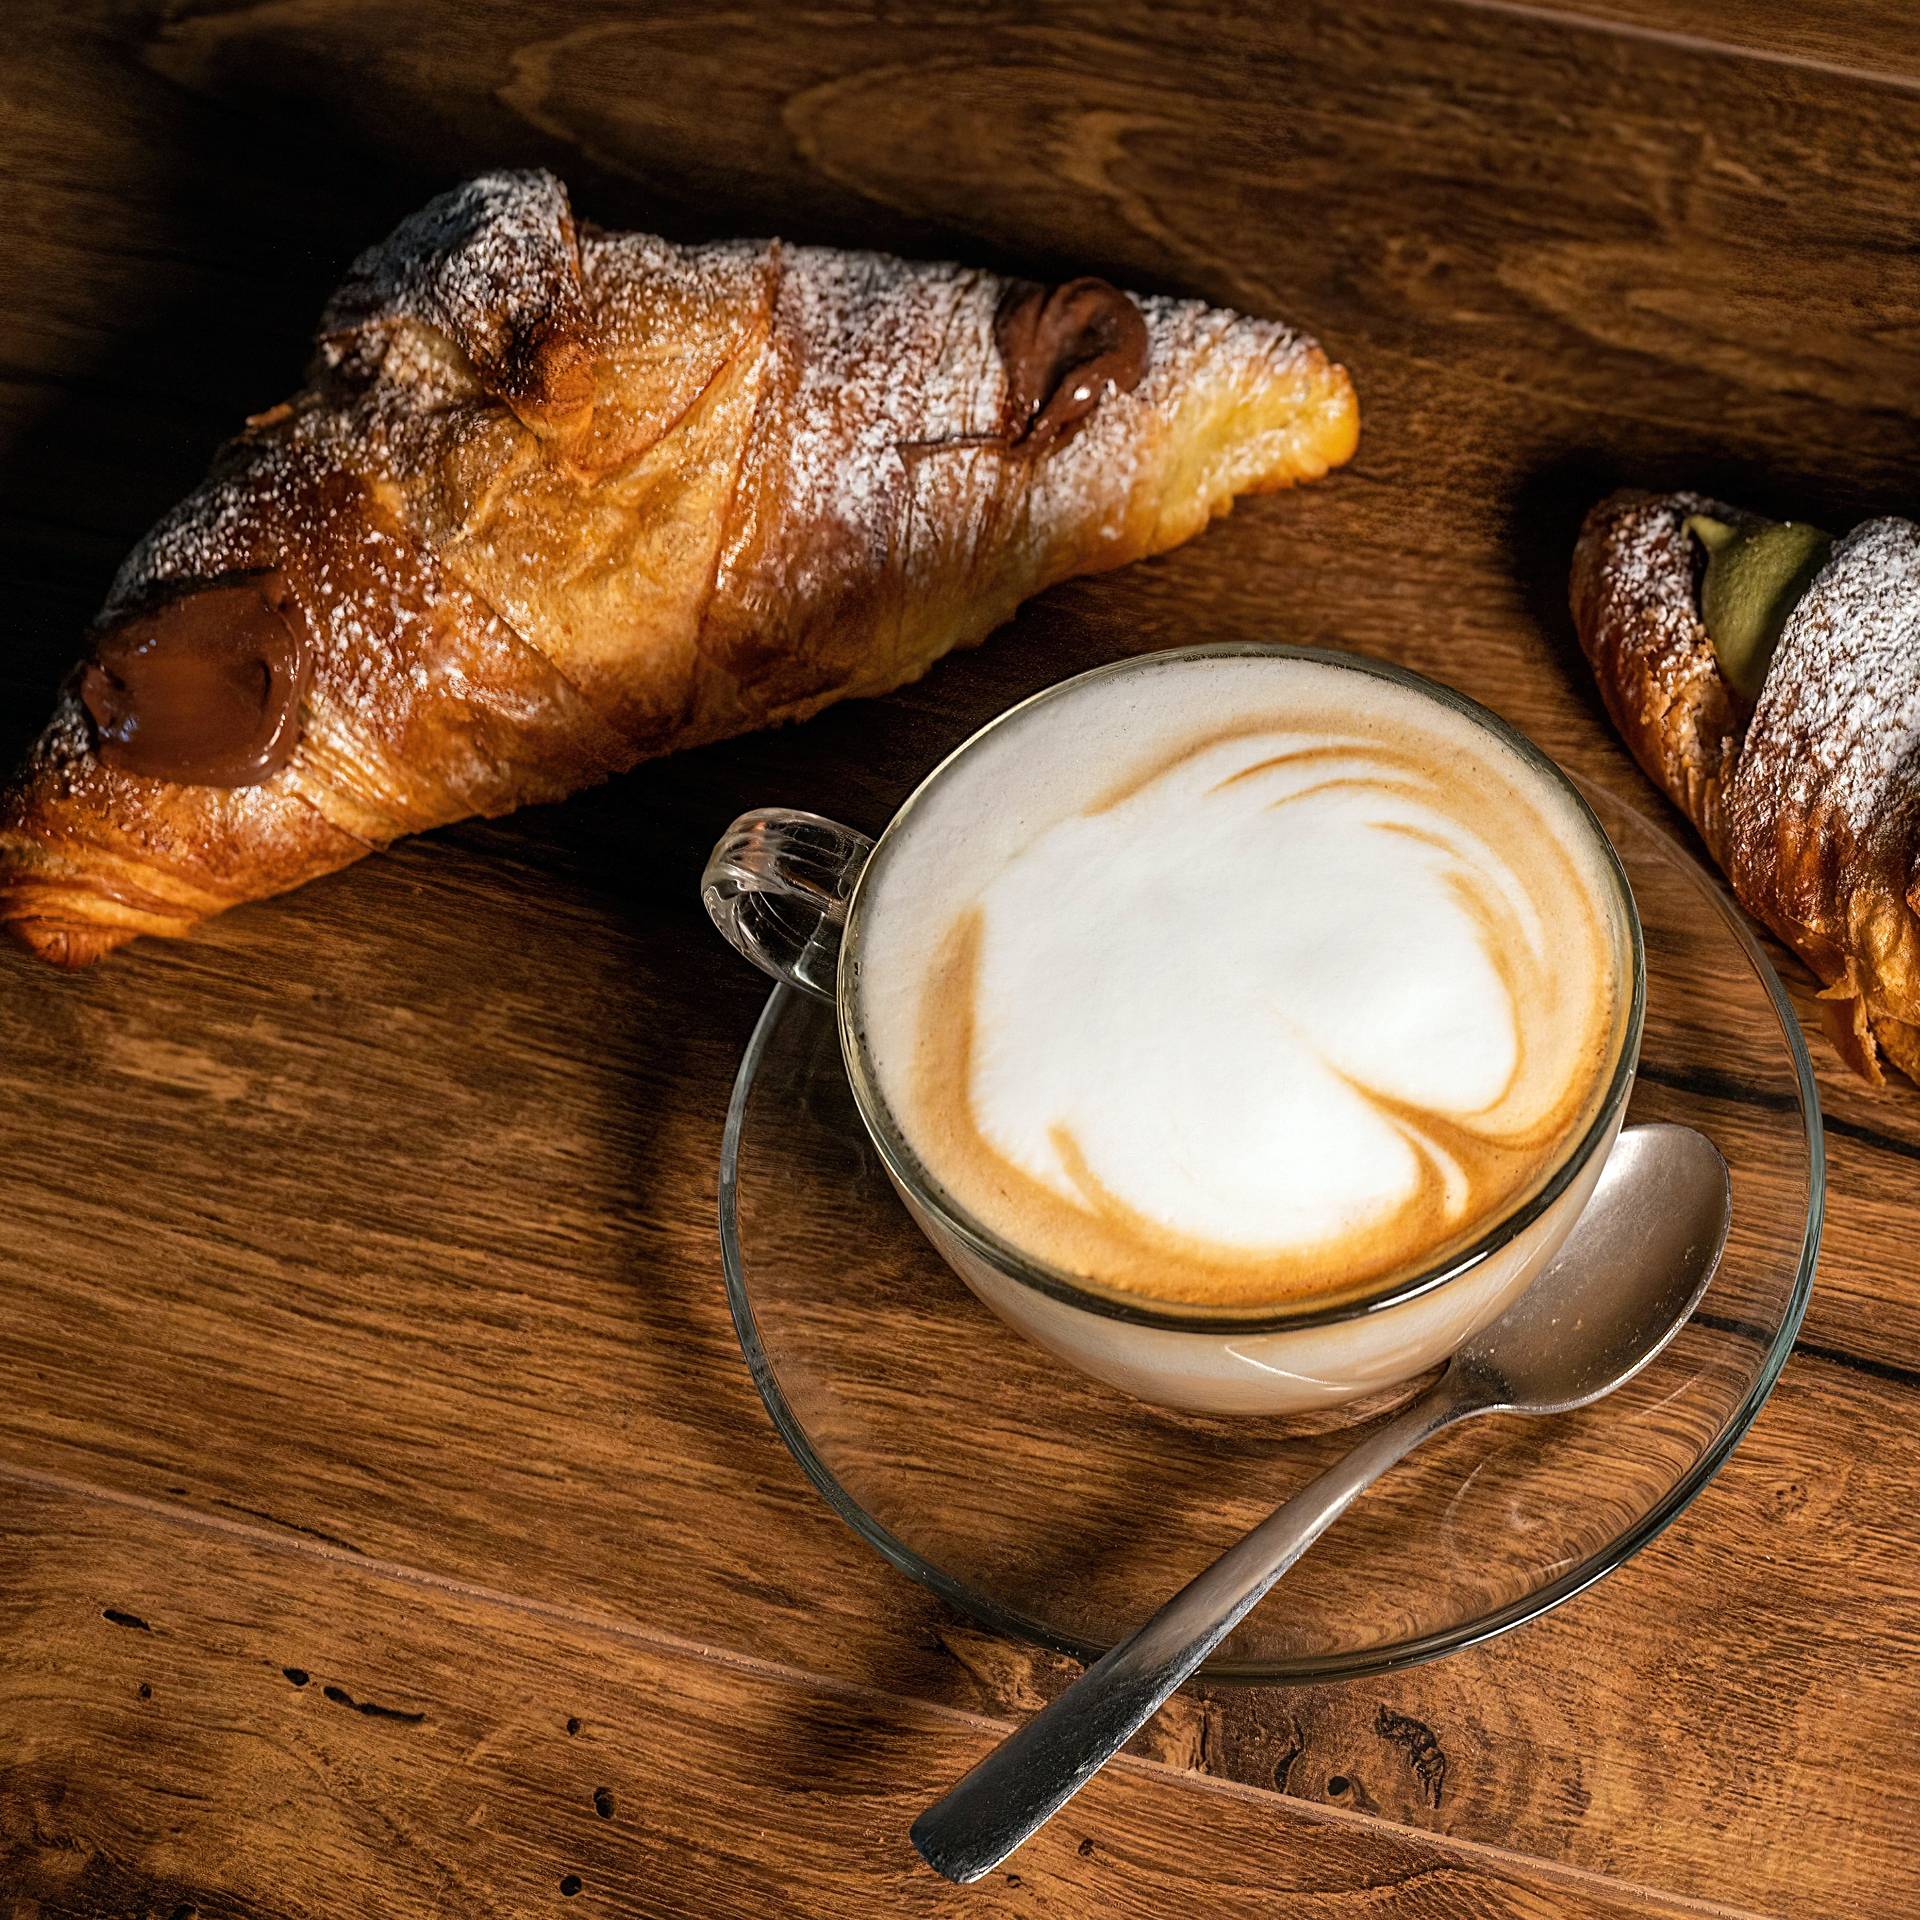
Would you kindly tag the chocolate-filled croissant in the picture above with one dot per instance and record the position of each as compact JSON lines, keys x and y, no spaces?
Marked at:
{"x":554,"y":500}
{"x":1768,"y":679}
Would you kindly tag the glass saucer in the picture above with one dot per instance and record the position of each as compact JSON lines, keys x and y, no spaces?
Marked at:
{"x":1052,"y":1508}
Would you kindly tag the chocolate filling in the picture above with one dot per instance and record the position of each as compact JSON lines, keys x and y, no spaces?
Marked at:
{"x":203,"y":689}
{"x":1065,"y":349}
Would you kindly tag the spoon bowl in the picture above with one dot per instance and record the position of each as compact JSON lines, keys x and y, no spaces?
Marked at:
{"x":1624,"y":1283}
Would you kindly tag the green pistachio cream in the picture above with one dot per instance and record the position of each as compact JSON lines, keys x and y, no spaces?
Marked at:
{"x":1756,"y":576}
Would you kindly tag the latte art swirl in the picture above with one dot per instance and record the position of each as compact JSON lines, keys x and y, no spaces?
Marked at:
{"x":1302,"y":998}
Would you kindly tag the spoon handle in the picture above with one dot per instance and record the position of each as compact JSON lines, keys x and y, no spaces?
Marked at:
{"x":1039,"y":1767}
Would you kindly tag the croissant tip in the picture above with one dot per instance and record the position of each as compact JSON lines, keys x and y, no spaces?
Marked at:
{"x":65,"y":944}
{"x":1340,"y":433}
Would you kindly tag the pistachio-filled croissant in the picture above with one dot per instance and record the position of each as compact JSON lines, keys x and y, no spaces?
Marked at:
{"x":555,"y":500}
{"x":1768,"y":678}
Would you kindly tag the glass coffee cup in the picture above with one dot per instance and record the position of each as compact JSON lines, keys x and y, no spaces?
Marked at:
{"x":796,"y":894}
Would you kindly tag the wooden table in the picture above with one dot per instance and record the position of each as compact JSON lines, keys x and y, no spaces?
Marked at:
{"x":391,"y":1527}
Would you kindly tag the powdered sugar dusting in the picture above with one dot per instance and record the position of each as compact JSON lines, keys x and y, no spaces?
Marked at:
{"x":490,"y":262}
{"x":885,"y":369}
{"x":843,"y":521}
{"x":1635,"y":590}
{"x":488,"y":369}
{"x":1646,"y":576}
{"x":882,"y":354}
{"x":1837,"y":728}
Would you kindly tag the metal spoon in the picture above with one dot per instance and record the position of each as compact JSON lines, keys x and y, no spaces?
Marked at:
{"x":1631,"y":1272}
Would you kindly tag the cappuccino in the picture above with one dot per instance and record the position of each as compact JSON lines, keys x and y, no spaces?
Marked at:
{"x":1239,"y":981}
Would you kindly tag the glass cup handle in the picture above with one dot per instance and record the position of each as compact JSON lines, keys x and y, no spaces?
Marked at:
{"x":777,"y":886}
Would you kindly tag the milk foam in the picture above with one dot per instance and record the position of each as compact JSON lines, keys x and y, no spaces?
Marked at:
{"x":1237,"y":978}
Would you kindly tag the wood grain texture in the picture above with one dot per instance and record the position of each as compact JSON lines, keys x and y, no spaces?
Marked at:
{"x":1873,"y":40}
{"x":381,"y":1218}
{"x":199,"y":1722}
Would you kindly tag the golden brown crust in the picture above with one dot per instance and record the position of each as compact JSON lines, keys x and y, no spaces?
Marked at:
{"x":1810,"y":800}
{"x":556,"y":500}
{"x":1635,"y":607}
{"x":1899,"y":1041}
